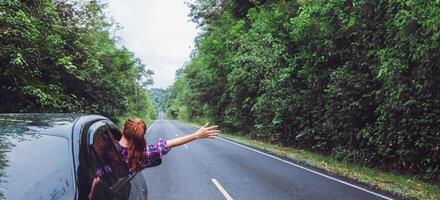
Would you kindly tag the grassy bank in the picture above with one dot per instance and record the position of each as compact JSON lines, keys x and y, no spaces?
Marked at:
{"x":402,"y":185}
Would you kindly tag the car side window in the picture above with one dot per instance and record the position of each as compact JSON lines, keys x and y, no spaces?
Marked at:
{"x":111,"y":171}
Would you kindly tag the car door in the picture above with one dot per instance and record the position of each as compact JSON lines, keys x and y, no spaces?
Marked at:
{"x":108,"y":173}
{"x":137,"y":180}
{"x":139,"y":187}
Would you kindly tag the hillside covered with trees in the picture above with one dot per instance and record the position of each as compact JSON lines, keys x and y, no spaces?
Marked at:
{"x":63,"y":56}
{"x":358,"y":80}
{"x":160,"y":98}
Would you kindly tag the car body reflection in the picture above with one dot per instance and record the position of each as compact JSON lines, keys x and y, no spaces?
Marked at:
{"x":57,"y":156}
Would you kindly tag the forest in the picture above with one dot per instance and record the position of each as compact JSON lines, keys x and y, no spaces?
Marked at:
{"x":160,"y":98}
{"x":64,"y":56}
{"x":358,"y":80}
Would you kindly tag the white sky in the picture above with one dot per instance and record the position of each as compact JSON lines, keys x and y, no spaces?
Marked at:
{"x":158,"y":32}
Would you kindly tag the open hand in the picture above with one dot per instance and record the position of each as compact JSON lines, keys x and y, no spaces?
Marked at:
{"x":207,"y":132}
{"x":204,"y":132}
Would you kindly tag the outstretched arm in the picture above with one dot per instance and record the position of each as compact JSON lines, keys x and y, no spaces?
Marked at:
{"x":203,"y":132}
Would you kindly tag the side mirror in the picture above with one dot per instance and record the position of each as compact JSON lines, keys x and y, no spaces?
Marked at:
{"x":153,"y":164}
{"x":122,"y":182}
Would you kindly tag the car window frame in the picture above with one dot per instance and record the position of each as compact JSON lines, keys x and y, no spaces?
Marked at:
{"x":141,"y":183}
{"x":95,"y":130}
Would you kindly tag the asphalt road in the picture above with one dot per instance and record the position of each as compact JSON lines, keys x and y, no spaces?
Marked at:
{"x":215,"y":168}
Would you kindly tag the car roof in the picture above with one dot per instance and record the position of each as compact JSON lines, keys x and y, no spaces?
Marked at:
{"x":59,"y":124}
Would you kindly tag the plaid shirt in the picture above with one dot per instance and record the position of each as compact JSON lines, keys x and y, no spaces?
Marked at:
{"x":152,"y":156}
{"x":153,"y":153}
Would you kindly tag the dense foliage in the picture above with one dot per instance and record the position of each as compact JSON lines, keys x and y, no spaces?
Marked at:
{"x":160,"y":98}
{"x":355,"y":79}
{"x":61,"y":56}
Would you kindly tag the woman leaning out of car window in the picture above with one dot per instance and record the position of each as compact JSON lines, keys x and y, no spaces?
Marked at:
{"x":138,"y":156}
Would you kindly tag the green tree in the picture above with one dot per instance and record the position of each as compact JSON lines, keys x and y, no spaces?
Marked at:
{"x":58,"y":56}
{"x":355,"y":79}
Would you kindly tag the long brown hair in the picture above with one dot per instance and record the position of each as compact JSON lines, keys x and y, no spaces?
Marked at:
{"x":134,"y":131}
{"x":103,"y":146}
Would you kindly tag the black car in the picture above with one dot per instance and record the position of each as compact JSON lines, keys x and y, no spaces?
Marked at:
{"x":57,"y":156}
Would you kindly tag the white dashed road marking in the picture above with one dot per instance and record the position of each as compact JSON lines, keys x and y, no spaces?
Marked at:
{"x":222,"y":190}
{"x":307,"y":169}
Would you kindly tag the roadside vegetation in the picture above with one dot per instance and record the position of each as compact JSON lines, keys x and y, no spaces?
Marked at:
{"x":405,"y":186}
{"x":63,"y":56}
{"x":352,"y":81}
{"x":160,"y":98}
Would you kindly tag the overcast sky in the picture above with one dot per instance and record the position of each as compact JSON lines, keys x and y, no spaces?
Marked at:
{"x":158,"y":32}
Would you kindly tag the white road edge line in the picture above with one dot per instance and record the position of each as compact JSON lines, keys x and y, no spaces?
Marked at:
{"x":152,"y":124}
{"x":312,"y":171}
{"x":222,"y":190}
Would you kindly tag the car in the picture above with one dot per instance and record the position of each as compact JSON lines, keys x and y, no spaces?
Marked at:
{"x":58,"y":156}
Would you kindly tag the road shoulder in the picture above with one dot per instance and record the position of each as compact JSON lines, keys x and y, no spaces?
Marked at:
{"x":390,"y":184}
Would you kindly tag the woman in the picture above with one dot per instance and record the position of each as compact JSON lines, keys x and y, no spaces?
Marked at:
{"x":138,"y":155}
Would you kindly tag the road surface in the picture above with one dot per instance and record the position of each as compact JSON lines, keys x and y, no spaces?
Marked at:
{"x":218,"y":169}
